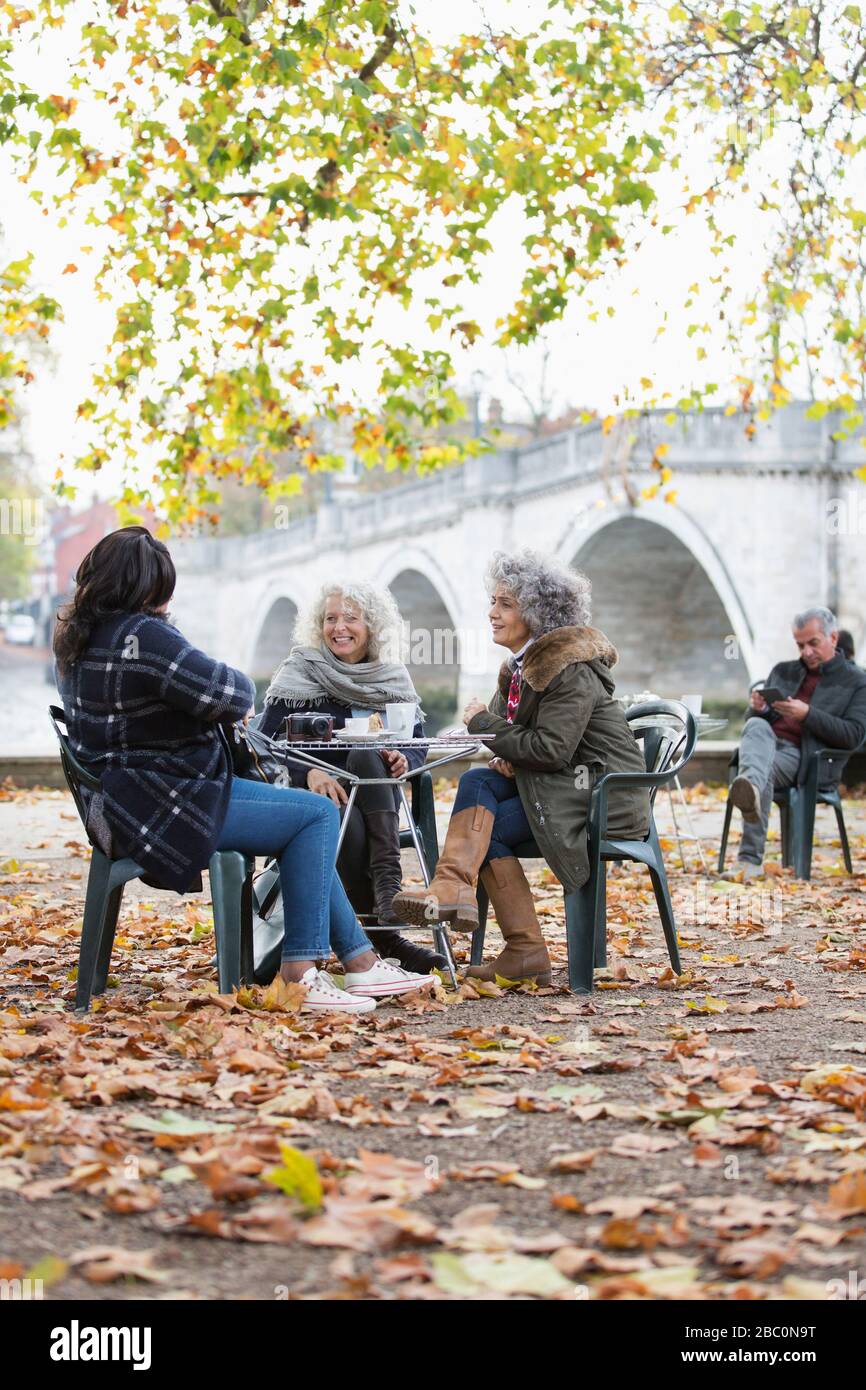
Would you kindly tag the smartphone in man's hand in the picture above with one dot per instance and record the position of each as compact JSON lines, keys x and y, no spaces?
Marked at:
{"x":770,"y":694}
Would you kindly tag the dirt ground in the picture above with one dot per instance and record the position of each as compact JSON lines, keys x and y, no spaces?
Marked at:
{"x":699,"y":1138}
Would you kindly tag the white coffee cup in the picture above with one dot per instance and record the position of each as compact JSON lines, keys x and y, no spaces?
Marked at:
{"x":359,"y":725}
{"x":401,"y":718}
{"x":692,"y":703}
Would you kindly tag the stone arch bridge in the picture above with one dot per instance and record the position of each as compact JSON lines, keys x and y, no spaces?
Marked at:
{"x":697,"y":594}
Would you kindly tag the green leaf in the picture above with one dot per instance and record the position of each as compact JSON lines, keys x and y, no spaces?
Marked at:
{"x":50,"y":1269}
{"x":354,"y":84}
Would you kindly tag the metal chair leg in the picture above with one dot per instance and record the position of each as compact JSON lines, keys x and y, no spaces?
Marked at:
{"x":443,"y":943}
{"x":692,"y":835}
{"x":679,"y":838}
{"x":422,"y":847}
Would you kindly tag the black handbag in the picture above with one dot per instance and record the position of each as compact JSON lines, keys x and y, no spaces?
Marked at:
{"x":259,"y":758}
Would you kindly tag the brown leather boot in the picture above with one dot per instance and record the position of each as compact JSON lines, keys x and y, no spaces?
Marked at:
{"x":450,"y":894}
{"x":525,"y":955}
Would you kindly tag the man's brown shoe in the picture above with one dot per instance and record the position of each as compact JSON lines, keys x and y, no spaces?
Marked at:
{"x":746,"y":797}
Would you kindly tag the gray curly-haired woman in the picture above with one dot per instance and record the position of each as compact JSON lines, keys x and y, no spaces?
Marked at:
{"x":557,"y":727}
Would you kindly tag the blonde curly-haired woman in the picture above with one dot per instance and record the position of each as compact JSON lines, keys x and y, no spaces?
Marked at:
{"x":342,"y":665}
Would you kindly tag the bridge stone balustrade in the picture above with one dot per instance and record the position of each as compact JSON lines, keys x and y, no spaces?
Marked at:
{"x":696,"y":594}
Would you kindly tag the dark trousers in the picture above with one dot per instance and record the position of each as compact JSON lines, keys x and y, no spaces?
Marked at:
{"x":481,"y":786}
{"x":353,"y":862}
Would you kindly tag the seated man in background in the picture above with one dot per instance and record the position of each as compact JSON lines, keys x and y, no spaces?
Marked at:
{"x":825,"y":707}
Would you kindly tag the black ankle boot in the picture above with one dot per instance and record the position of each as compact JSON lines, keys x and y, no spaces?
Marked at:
{"x":386,"y":875}
{"x":410,"y":954}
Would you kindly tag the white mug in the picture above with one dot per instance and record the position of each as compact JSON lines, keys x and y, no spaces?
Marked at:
{"x":357,"y":726}
{"x":400,"y":718}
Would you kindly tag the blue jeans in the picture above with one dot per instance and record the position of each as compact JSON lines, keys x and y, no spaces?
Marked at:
{"x":300,"y":829}
{"x":481,"y":786}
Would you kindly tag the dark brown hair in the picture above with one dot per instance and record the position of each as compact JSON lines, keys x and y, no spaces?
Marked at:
{"x":128,"y":571}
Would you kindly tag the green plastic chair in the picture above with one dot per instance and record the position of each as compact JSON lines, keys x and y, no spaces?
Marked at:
{"x":666,"y":751}
{"x":424,"y":815}
{"x":797,"y":807}
{"x":231,"y":884}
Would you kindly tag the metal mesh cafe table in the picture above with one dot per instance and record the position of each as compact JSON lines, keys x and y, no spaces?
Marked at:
{"x":449,"y":746}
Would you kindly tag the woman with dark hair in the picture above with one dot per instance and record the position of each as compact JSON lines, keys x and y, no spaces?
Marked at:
{"x":144,"y":711}
{"x":845,"y":643}
{"x":556,"y":727}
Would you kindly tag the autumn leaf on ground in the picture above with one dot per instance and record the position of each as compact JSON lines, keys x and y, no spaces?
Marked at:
{"x":847,"y":1197}
{"x":708,"y":1005}
{"x":505,"y":1274}
{"x":297,"y":1176}
{"x":103,"y":1264}
{"x":637,"y":1145}
{"x":576,"y":1162}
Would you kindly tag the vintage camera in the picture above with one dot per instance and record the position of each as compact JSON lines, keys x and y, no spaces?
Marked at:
{"x":309,"y":726}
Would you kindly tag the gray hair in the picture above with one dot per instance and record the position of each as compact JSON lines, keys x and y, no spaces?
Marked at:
{"x":548,"y":595}
{"x":824,"y":616}
{"x":376,"y":606}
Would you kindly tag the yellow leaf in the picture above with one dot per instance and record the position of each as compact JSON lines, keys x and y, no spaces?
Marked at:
{"x":708,"y":1006}
{"x":297,"y":1176}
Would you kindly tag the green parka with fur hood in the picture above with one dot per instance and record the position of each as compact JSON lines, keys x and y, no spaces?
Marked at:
{"x":567,"y":721}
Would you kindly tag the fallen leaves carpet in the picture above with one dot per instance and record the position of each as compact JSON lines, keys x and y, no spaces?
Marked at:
{"x":701,"y":1137}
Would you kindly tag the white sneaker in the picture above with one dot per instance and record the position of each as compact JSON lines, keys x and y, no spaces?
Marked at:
{"x":323,"y":994}
{"x":385,"y":979}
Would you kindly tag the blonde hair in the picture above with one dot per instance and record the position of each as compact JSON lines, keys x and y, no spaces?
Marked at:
{"x":376,"y":607}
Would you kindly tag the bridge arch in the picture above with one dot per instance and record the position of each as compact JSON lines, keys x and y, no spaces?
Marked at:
{"x":430,"y":640}
{"x":274,"y":637}
{"x":663,"y":594}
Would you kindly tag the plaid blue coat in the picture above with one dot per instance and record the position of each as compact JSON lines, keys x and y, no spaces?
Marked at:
{"x":143,"y":711}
